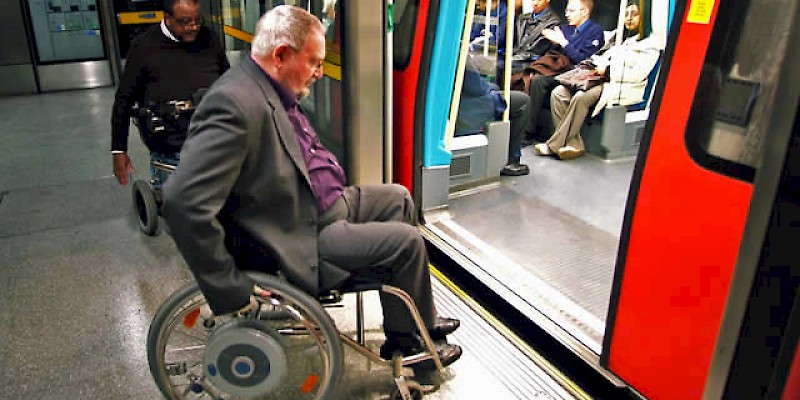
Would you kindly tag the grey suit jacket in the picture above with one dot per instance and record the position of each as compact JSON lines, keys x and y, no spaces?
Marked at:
{"x":241,"y":194}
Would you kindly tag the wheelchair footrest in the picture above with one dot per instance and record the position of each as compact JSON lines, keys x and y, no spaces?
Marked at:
{"x":331,"y":297}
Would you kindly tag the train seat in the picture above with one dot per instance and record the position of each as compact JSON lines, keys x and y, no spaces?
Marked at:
{"x":616,"y":132}
{"x":648,"y":89}
{"x":479,"y":156}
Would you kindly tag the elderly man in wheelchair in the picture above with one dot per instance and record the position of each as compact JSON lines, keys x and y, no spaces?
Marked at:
{"x":256,"y":190}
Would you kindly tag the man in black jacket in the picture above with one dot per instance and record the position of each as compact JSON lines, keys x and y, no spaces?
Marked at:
{"x":529,"y":43}
{"x":168,"y":62}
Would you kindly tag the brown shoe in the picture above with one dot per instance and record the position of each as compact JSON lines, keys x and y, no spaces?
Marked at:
{"x":569,"y":152}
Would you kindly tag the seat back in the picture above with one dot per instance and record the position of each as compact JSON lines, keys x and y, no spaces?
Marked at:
{"x":648,"y":89}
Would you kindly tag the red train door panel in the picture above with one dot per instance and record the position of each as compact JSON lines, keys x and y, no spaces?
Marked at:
{"x":410,"y":36}
{"x":679,"y":245}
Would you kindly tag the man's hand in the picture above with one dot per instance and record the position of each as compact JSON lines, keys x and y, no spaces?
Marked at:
{"x":556,"y":36}
{"x":253,"y":305}
{"x":122,"y":167}
{"x":260,"y":292}
{"x":248,"y":309}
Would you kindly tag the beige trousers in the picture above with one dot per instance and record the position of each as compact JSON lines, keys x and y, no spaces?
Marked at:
{"x":569,"y":111}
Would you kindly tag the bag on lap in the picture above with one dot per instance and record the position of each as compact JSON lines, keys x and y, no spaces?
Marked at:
{"x":582,"y":77}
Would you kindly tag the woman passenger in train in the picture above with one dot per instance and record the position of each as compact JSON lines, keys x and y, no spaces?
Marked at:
{"x":626,"y":86}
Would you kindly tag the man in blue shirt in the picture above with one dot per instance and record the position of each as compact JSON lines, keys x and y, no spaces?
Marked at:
{"x":581,"y":37}
{"x":578,"y":40}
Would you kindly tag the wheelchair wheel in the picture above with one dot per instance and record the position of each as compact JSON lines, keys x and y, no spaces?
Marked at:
{"x":195,"y":355}
{"x":144,"y":202}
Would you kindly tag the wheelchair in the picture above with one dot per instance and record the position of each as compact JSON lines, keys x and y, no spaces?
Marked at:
{"x":289,"y":348}
{"x":156,"y":122}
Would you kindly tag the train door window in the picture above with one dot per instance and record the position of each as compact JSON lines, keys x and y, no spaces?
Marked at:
{"x":733,"y":102}
{"x":325,"y":105}
{"x":405,"y":21}
{"x":239,"y":19}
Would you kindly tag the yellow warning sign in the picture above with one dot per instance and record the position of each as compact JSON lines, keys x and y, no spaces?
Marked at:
{"x":700,"y":11}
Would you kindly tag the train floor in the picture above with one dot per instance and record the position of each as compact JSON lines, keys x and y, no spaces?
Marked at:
{"x":79,"y":283}
{"x":550,"y":237}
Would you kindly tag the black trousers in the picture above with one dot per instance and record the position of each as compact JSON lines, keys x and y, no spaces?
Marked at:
{"x":539,"y":91}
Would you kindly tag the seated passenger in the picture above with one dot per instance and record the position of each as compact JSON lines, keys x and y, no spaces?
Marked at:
{"x":496,"y":32}
{"x":482,"y":102}
{"x":256,"y":189}
{"x":626,"y":86}
{"x":577,"y":40}
{"x":168,"y":62}
{"x":529,"y":43}
{"x":329,"y":19}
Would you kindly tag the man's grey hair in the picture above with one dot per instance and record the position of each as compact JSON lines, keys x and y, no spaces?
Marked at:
{"x":288,"y":25}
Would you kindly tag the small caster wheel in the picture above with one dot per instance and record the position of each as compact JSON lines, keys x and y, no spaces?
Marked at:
{"x":144,"y":202}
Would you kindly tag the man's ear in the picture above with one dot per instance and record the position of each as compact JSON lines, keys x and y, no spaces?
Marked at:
{"x":281,"y":52}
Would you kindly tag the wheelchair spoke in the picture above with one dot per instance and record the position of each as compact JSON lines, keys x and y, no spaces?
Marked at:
{"x":199,"y":338}
{"x":187,"y":348}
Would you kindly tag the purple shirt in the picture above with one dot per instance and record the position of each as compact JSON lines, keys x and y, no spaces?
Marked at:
{"x":326,"y":175}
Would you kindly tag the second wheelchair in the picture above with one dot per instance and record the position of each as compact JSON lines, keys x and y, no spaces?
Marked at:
{"x":162,"y":127}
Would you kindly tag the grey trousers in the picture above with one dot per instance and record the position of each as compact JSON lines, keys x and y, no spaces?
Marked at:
{"x":375,"y":237}
{"x":569,"y":111}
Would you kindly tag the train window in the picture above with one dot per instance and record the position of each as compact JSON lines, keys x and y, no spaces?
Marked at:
{"x":405,"y":23}
{"x":241,"y":17}
{"x":733,"y":101}
{"x":324,"y":106}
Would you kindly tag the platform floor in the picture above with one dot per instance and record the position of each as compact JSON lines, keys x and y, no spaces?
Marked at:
{"x":79,"y":283}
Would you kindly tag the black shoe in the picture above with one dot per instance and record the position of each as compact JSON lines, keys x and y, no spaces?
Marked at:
{"x":410,"y":345}
{"x":442,"y":327}
{"x":515,"y":169}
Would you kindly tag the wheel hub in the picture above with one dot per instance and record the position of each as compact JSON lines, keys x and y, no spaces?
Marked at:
{"x":244,"y":359}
